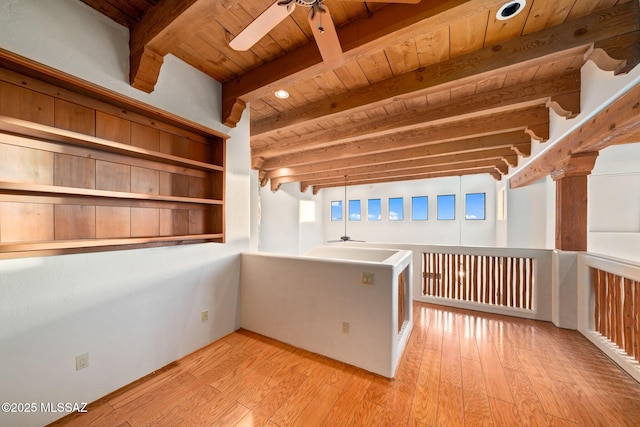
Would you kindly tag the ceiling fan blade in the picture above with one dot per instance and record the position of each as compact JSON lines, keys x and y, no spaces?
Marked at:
{"x":386,"y":1}
{"x":261,"y":26}
{"x":326,"y":38}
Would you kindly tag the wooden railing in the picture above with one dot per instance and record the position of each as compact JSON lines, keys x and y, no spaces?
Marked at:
{"x":616,"y":312}
{"x":401,"y":302}
{"x":503,"y":281}
{"x":609,"y":308}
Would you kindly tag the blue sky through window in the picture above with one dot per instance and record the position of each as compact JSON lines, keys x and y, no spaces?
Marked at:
{"x":447,"y":207}
{"x":419,"y":208}
{"x":475,"y":206}
{"x":354,"y":210}
{"x":374,"y":210}
{"x":336,"y":210}
{"x":396,"y":209}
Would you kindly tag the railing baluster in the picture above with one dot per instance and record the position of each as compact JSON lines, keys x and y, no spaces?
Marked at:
{"x":627,"y":317}
{"x":617,"y":310}
{"x":636,"y":322}
{"x":485,"y":279}
{"x":597,"y":291}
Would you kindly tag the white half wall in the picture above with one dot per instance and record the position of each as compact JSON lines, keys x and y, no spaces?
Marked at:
{"x":133,"y":311}
{"x":306,"y":301}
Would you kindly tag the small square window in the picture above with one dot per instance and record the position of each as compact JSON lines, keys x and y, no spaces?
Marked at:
{"x":396,"y":209}
{"x":475,"y":206}
{"x":447,"y":207}
{"x":354,"y":210}
{"x":419,"y":208}
{"x":336,"y":210}
{"x":374,"y":210}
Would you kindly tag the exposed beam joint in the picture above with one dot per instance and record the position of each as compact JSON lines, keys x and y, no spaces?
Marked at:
{"x":575,"y":165}
{"x":163,"y":29}
{"x":612,"y":125}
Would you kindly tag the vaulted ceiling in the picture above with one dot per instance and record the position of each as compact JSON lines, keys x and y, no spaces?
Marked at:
{"x":437,"y":88}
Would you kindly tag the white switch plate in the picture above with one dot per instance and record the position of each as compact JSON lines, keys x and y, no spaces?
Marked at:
{"x":366,"y":278}
{"x":345,"y":327}
{"x":82,"y":361}
{"x":204,"y":315}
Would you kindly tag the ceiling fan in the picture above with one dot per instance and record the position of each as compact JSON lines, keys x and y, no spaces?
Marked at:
{"x":345,"y":238}
{"x":323,"y":30}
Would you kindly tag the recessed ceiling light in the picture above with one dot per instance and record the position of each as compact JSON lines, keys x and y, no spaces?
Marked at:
{"x":282,"y":94}
{"x":510,"y":9}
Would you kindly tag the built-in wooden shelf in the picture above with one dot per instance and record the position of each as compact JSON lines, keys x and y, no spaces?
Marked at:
{"x":80,"y":174}
{"x":12,"y":250}
{"x":10,"y":125}
{"x":51,"y":190}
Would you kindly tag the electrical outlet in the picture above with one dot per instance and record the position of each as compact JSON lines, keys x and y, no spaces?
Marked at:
{"x":82,"y":361}
{"x":204,"y":315}
{"x":366,"y":278}
{"x":345,"y":327}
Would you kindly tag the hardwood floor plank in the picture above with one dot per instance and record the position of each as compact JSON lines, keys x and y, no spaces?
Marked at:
{"x":477,"y":411}
{"x":518,"y":372}
{"x":529,"y":407}
{"x":505,"y":414}
{"x":494,"y":379}
{"x":545,"y":388}
{"x":467,"y":329}
{"x":425,"y":401}
{"x":367,"y":414}
{"x":347,"y":403}
{"x":277,"y":395}
{"x":289,"y":412}
{"x":450,"y":406}
{"x":319,"y":407}
{"x":450,"y":368}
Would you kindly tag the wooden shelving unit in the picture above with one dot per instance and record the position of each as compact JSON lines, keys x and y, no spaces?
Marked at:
{"x":80,"y":174}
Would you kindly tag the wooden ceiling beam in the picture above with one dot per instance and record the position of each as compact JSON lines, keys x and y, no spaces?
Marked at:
{"x":496,"y":155}
{"x":354,"y":156}
{"x":388,"y":26}
{"x":609,"y":126}
{"x":563,"y":90}
{"x":459,"y":172}
{"x":570,"y":38}
{"x":451,"y":167}
{"x":497,"y":124}
{"x":162,"y":30}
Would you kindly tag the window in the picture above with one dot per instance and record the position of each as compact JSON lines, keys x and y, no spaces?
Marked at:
{"x":502,"y":204}
{"x":419,"y":208}
{"x":307,"y":211}
{"x":336,"y":210}
{"x":396,"y":209}
{"x":474,"y":206}
{"x":446,"y":207}
{"x":374,"y":210}
{"x":354,"y":210}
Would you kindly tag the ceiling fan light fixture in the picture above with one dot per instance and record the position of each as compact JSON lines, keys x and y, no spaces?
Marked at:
{"x":281,"y":94}
{"x":510,"y":9}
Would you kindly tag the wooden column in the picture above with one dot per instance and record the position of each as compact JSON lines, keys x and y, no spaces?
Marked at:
{"x":571,"y":201}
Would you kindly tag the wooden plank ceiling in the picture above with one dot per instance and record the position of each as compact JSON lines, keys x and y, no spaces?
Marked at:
{"x":432,"y":89}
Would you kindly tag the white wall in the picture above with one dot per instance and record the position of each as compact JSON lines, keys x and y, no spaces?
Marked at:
{"x":614,"y":203}
{"x":133,"y":311}
{"x":280,"y":228}
{"x":531,"y":216}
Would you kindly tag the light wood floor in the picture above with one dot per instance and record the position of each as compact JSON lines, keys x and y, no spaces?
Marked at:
{"x":459,"y":368}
